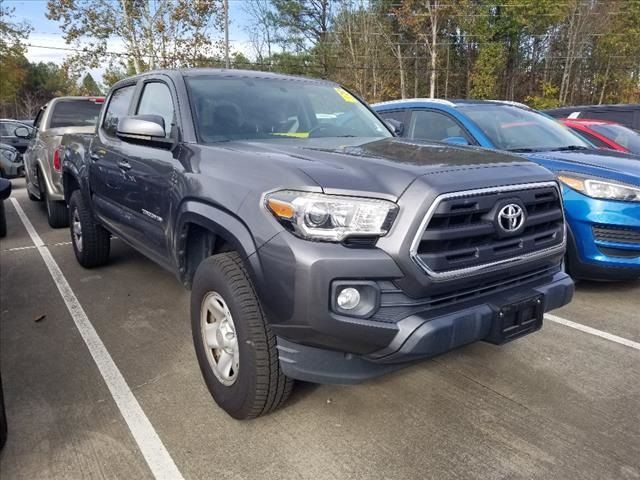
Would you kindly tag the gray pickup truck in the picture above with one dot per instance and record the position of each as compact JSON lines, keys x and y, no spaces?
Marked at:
{"x":42,"y":165}
{"x":317,"y":245}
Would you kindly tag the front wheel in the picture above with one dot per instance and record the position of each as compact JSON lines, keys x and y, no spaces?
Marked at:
{"x":234,"y":344}
{"x":91,"y":243}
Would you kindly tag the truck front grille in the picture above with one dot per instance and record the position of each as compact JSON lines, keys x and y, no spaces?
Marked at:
{"x":464,"y":232}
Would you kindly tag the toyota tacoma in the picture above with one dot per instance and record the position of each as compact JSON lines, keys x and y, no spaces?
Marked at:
{"x":316,"y":244}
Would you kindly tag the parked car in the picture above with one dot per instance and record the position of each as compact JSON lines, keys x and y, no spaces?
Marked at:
{"x":601,"y":188}
{"x":11,"y":164}
{"x":317,"y":246}
{"x":627,"y":115}
{"x":5,"y":191}
{"x":604,"y":134}
{"x":42,"y":163}
{"x":8,"y":134}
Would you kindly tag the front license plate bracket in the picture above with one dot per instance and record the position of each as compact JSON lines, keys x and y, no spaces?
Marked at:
{"x":516,"y":320}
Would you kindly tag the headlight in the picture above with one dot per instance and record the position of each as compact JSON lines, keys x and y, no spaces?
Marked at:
{"x":604,"y":189}
{"x":332,"y":218}
{"x":9,"y":155}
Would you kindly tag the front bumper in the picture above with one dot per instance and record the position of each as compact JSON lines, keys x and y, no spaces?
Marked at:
{"x":419,"y":336}
{"x":295,"y":290}
{"x":600,"y":257}
{"x":12,"y":169}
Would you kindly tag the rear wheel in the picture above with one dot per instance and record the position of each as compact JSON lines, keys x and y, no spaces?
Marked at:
{"x":57,"y":212}
{"x":91,"y":243}
{"x":234,"y":344}
{"x":3,"y":220}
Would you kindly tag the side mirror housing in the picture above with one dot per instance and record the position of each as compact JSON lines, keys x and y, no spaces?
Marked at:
{"x":144,"y":129}
{"x":22,"y":132}
{"x":397,"y":127}
{"x":456,"y":141}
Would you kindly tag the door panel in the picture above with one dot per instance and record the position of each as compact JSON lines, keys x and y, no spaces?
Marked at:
{"x":110,"y":183}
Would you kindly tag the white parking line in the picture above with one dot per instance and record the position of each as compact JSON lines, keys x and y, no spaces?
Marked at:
{"x":594,"y":331}
{"x":155,"y":454}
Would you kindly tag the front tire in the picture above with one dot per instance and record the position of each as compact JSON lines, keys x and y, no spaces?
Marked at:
{"x":235,"y":347}
{"x":57,"y":212}
{"x":91,"y":243}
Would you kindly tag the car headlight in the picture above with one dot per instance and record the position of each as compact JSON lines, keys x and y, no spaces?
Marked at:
{"x":331,"y":218}
{"x":602,"y":189}
{"x":9,"y":155}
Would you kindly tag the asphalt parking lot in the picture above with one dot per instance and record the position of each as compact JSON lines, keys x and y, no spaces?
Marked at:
{"x":560,"y":404}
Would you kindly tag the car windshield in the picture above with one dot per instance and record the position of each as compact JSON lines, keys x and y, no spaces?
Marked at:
{"x":79,"y":112}
{"x":233,"y":108}
{"x":624,"y":136}
{"x":517,"y":129}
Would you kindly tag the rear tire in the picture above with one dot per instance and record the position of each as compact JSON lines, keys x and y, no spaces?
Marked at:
{"x":3,"y":220}
{"x":256,"y":384}
{"x":57,"y":212}
{"x":91,"y":243}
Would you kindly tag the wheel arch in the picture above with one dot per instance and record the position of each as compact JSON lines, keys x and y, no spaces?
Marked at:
{"x":203,"y":230}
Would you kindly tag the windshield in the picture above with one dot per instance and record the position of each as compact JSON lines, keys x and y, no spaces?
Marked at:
{"x":624,"y":136}
{"x":264,"y":108}
{"x":79,"y":112}
{"x":517,"y":129}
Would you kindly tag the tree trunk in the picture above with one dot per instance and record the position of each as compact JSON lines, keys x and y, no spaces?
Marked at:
{"x":604,"y":82}
{"x":434,"y":52}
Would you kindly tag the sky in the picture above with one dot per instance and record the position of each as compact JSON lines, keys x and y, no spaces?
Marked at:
{"x":46,"y":33}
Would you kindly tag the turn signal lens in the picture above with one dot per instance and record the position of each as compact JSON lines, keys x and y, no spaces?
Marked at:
{"x":280,"y":209}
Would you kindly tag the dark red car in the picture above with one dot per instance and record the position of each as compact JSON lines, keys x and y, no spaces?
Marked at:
{"x":604,"y":134}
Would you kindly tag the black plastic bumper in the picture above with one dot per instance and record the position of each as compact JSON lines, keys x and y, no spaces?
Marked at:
{"x":417,"y":337}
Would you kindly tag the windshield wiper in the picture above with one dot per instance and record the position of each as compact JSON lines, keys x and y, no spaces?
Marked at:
{"x":570,"y":148}
{"x":521,"y":150}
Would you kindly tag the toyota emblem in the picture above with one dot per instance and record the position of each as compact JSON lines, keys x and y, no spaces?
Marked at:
{"x":511,"y":217}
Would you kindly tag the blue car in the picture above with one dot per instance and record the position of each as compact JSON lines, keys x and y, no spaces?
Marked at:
{"x":601,"y":187}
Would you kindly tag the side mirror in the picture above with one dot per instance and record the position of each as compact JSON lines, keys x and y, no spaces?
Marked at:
{"x":142,"y":129}
{"x":5,"y":188}
{"x":397,"y":127}
{"x":456,"y":141}
{"x":22,"y":132}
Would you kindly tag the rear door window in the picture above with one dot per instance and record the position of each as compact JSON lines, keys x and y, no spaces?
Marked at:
{"x":117,"y":108}
{"x":75,"y":113}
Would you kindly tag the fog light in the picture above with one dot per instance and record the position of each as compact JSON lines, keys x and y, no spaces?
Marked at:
{"x":349,"y":298}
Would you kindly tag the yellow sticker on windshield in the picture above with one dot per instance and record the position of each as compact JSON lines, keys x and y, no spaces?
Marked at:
{"x":346,"y":96}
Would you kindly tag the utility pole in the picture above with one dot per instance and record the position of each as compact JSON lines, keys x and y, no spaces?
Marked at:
{"x":226,"y":34}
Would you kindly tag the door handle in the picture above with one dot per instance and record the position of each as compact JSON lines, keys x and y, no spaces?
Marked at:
{"x":124,"y":165}
{"x":95,"y":156}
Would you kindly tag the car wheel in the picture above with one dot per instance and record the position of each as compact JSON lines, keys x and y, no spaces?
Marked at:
{"x":234,"y":344}
{"x":57,"y":212}
{"x":3,"y":419}
{"x":3,"y":220}
{"x":91,"y":243}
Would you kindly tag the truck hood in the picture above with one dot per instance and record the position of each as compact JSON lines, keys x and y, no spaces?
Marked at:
{"x":610,"y":164}
{"x":382,"y":166}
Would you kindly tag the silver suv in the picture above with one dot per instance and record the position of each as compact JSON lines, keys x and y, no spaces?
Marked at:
{"x":42,"y":161}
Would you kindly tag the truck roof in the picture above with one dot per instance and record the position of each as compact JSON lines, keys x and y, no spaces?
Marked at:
{"x":223,"y":72}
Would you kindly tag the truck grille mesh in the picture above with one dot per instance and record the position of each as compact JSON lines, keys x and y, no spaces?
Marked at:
{"x":463,"y":231}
